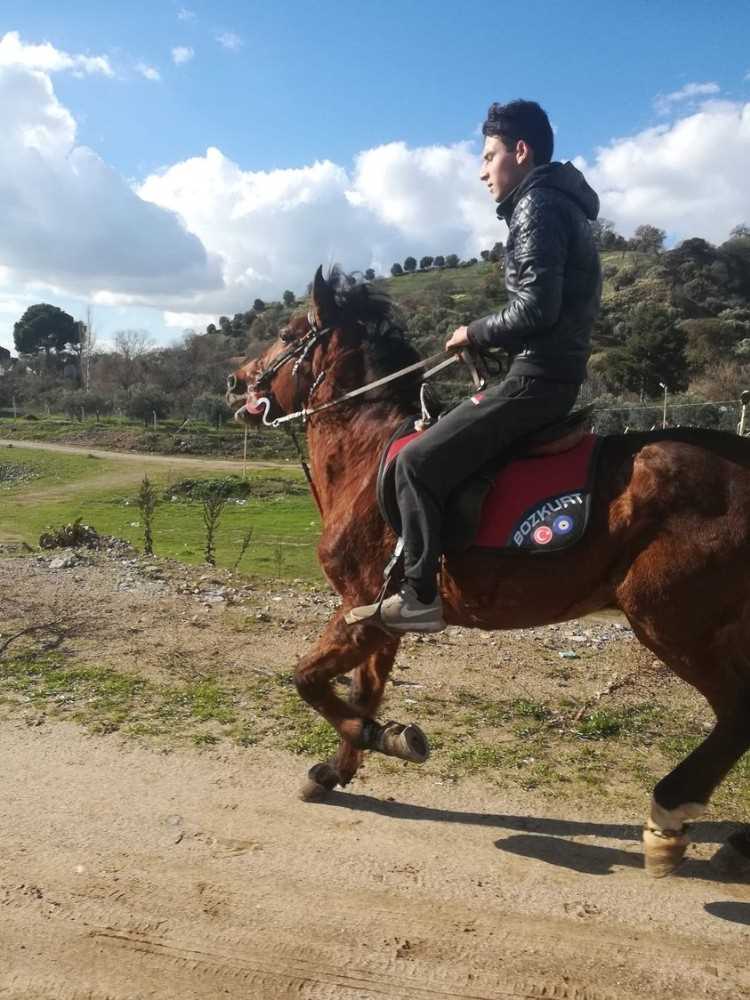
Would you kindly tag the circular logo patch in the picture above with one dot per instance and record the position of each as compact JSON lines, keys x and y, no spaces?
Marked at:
{"x":542,"y":535}
{"x":562,"y":524}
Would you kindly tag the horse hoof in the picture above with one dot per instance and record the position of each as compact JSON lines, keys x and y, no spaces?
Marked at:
{"x":664,"y":850}
{"x":320,"y":781}
{"x":407,"y":742}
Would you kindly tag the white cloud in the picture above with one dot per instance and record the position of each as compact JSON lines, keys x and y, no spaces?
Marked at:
{"x":230,"y":41}
{"x":689,"y":178}
{"x":48,"y":59}
{"x":664,"y":103}
{"x":272,"y":229}
{"x":205,"y":237}
{"x":183,"y":14}
{"x":70,"y":222}
{"x":150,"y":72}
{"x":182,"y":54}
{"x":188,"y":320}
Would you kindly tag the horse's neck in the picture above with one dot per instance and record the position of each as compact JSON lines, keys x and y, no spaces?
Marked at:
{"x":345,"y":443}
{"x":345,"y":451}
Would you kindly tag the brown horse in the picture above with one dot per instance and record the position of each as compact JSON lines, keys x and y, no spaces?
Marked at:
{"x":668,"y":544}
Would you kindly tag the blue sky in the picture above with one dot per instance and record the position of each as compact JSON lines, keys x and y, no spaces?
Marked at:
{"x":639,"y":96}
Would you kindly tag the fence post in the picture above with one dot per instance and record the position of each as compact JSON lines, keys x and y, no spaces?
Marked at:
{"x":744,"y":399}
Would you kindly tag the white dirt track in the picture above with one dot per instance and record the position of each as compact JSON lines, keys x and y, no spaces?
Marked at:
{"x":130,"y":873}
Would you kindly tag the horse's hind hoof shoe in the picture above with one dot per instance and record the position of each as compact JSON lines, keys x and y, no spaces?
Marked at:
{"x":320,"y":781}
{"x":407,"y":742}
{"x":664,"y":850}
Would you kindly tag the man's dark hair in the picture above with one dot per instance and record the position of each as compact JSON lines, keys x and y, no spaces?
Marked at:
{"x":521,"y":120}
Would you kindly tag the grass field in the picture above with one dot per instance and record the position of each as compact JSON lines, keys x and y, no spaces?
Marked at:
{"x":102,"y":492}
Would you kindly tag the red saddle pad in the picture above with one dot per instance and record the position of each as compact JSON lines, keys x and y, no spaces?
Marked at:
{"x":536,"y":504}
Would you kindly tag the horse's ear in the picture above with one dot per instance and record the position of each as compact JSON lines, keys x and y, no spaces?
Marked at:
{"x":323,"y":299}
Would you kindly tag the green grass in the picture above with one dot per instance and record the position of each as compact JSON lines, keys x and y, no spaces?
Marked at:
{"x":51,"y":469}
{"x":167,"y":438}
{"x":283,"y":516}
{"x":202,"y":711}
{"x":424,"y":285}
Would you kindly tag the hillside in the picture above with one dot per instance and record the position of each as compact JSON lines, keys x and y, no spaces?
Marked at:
{"x":678,"y":318}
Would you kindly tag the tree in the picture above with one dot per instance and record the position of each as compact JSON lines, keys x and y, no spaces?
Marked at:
{"x":289,"y":299}
{"x":80,"y":404}
{"x":648,"y":239}
{"x":605,"y":237}
{"x":410,"y":264}
{"x":425,"y":262}
{"x":707,"y":342}
{"x":451,"y":260}
{"x":131,"y":348}
{"x":369,"y":274}
{"x":653,"y":352}
{"x":4,"y":356}
{"x":147,"y":400}
{"x":46,"y":328}
{"x":259,"y":305}
{"x":396,"y":269}
{"x":439,"y":261}
{"x":213,"y":409}
{"x":485,"y":255}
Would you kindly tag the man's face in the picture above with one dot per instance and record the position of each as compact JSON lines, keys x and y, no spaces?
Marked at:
{"x":503,"y":169}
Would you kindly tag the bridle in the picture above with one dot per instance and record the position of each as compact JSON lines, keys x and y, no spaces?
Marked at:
{"x":298,"y":351}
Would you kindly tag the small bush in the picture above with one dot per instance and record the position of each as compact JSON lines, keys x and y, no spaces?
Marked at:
{"x":10,"y":474}
{"x":233,"y":487}
{"x":70,"y":536}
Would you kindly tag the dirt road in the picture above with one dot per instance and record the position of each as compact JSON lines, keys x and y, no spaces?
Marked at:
{"x":126,"y":873}
{"x":134,"y":870}
{"x":142,"y":458}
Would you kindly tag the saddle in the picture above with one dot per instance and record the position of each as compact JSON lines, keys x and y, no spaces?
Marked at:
{"x":533,"y":498}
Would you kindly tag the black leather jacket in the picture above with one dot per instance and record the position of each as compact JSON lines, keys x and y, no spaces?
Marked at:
{"x":552,"y":274}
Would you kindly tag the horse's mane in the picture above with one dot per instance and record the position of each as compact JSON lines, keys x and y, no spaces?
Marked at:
{"x":385,"y":343}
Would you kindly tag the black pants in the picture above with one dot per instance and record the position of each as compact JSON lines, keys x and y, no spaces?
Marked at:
{"x":430,"y":468}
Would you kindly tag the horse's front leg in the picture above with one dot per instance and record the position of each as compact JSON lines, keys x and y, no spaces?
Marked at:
{"x":339,"y":650}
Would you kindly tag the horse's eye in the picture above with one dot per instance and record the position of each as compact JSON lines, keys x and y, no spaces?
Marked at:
{"x":287,"y":336}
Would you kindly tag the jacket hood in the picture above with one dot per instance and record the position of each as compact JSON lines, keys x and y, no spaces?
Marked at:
{"x":560,"y":176}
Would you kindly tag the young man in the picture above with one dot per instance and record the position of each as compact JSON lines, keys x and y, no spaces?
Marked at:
{"x":553,"y":279}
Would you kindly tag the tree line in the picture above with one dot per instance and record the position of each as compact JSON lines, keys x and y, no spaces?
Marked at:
{"x":678,"y":318}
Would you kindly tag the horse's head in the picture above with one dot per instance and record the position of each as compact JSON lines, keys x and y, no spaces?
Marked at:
{"x":285,"y":373}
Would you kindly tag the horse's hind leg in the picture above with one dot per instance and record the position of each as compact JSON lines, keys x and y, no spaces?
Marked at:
{"x":720,"y":670}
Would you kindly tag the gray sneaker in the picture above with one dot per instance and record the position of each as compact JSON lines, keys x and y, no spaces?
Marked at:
{"x":402,"y":612}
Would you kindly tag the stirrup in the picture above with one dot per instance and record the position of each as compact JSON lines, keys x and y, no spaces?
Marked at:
{"x":374,"y":618}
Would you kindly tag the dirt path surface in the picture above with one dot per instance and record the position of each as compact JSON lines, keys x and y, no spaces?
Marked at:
{"x":130,"y":870}
{"x":126,"y":873}
{"x":143,"y":458}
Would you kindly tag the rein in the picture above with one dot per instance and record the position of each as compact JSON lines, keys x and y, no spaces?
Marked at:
{"x":306,"y":412}
{"x":299,"y":352}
